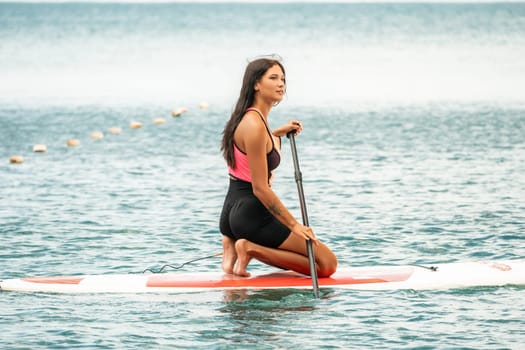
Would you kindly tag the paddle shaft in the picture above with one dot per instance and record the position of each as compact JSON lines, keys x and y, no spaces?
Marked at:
{"x":309,"y":245}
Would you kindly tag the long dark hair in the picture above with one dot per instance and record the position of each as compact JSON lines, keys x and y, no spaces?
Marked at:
{"x":253,"y":73}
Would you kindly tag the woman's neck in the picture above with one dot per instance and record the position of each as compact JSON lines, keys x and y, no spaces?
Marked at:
{"x":263,"y":107}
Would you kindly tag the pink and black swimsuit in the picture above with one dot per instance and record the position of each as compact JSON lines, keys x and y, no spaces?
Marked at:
{"x":243,"y":215}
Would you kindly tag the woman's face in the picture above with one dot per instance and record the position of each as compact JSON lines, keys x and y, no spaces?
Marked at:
{"x":272,"y":85}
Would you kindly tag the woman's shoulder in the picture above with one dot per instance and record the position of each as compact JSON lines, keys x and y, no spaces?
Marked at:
{"x":252,"y":121}
{"x":250,"y":130}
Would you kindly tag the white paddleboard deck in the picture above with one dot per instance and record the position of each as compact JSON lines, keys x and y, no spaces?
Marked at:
{"x":441,"y":276}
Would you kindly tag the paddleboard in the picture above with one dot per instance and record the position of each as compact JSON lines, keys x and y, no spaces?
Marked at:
{"x":417,"y":277}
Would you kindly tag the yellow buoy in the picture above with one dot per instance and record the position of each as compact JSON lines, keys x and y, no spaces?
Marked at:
{"x":97,"y":135}
{"x":39,"y":148}
{"x":159,"y":121}
{"x":73,"y":143}
{"x":115,"y":130}
{"x":177,"y":112}
{"x":16,"y":159}
{"x":135,"y":125}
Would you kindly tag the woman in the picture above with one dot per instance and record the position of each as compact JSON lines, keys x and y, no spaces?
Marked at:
{"x":254,"y":222}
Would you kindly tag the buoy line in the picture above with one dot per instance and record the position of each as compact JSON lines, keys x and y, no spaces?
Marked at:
{"x":98,"y":135}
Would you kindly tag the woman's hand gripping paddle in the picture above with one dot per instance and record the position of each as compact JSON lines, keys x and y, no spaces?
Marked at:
{"x":309,"y":245}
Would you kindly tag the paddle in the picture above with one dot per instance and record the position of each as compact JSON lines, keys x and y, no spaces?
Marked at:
{"x":309,"y":246}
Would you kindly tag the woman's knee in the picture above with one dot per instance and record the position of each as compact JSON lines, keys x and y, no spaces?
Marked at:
{"x":326,"y":262}
{"x":327,"y":270}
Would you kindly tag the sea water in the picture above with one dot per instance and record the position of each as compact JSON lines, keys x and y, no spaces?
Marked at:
{"x":413,"y":151}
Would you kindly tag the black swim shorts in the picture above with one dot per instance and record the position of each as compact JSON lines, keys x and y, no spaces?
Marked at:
{"x":244,"y":216}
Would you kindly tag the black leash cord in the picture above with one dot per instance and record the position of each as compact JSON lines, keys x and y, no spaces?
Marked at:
{"x":181,"y":265}
{"x":431,"y":268}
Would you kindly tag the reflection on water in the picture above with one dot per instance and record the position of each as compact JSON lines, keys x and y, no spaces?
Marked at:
{"x":263,"y":315}
{"x":268,"y":298}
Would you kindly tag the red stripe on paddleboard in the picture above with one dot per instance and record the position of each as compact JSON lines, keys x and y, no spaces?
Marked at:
{"x":276,"y":280}
{"x":54,"y":280}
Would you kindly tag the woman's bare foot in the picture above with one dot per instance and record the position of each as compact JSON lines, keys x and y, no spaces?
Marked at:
{"x":229,"y":255}
{"x":243,"y":259}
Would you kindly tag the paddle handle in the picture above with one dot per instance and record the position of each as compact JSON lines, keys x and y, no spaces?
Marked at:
{"x":302,"y":201}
